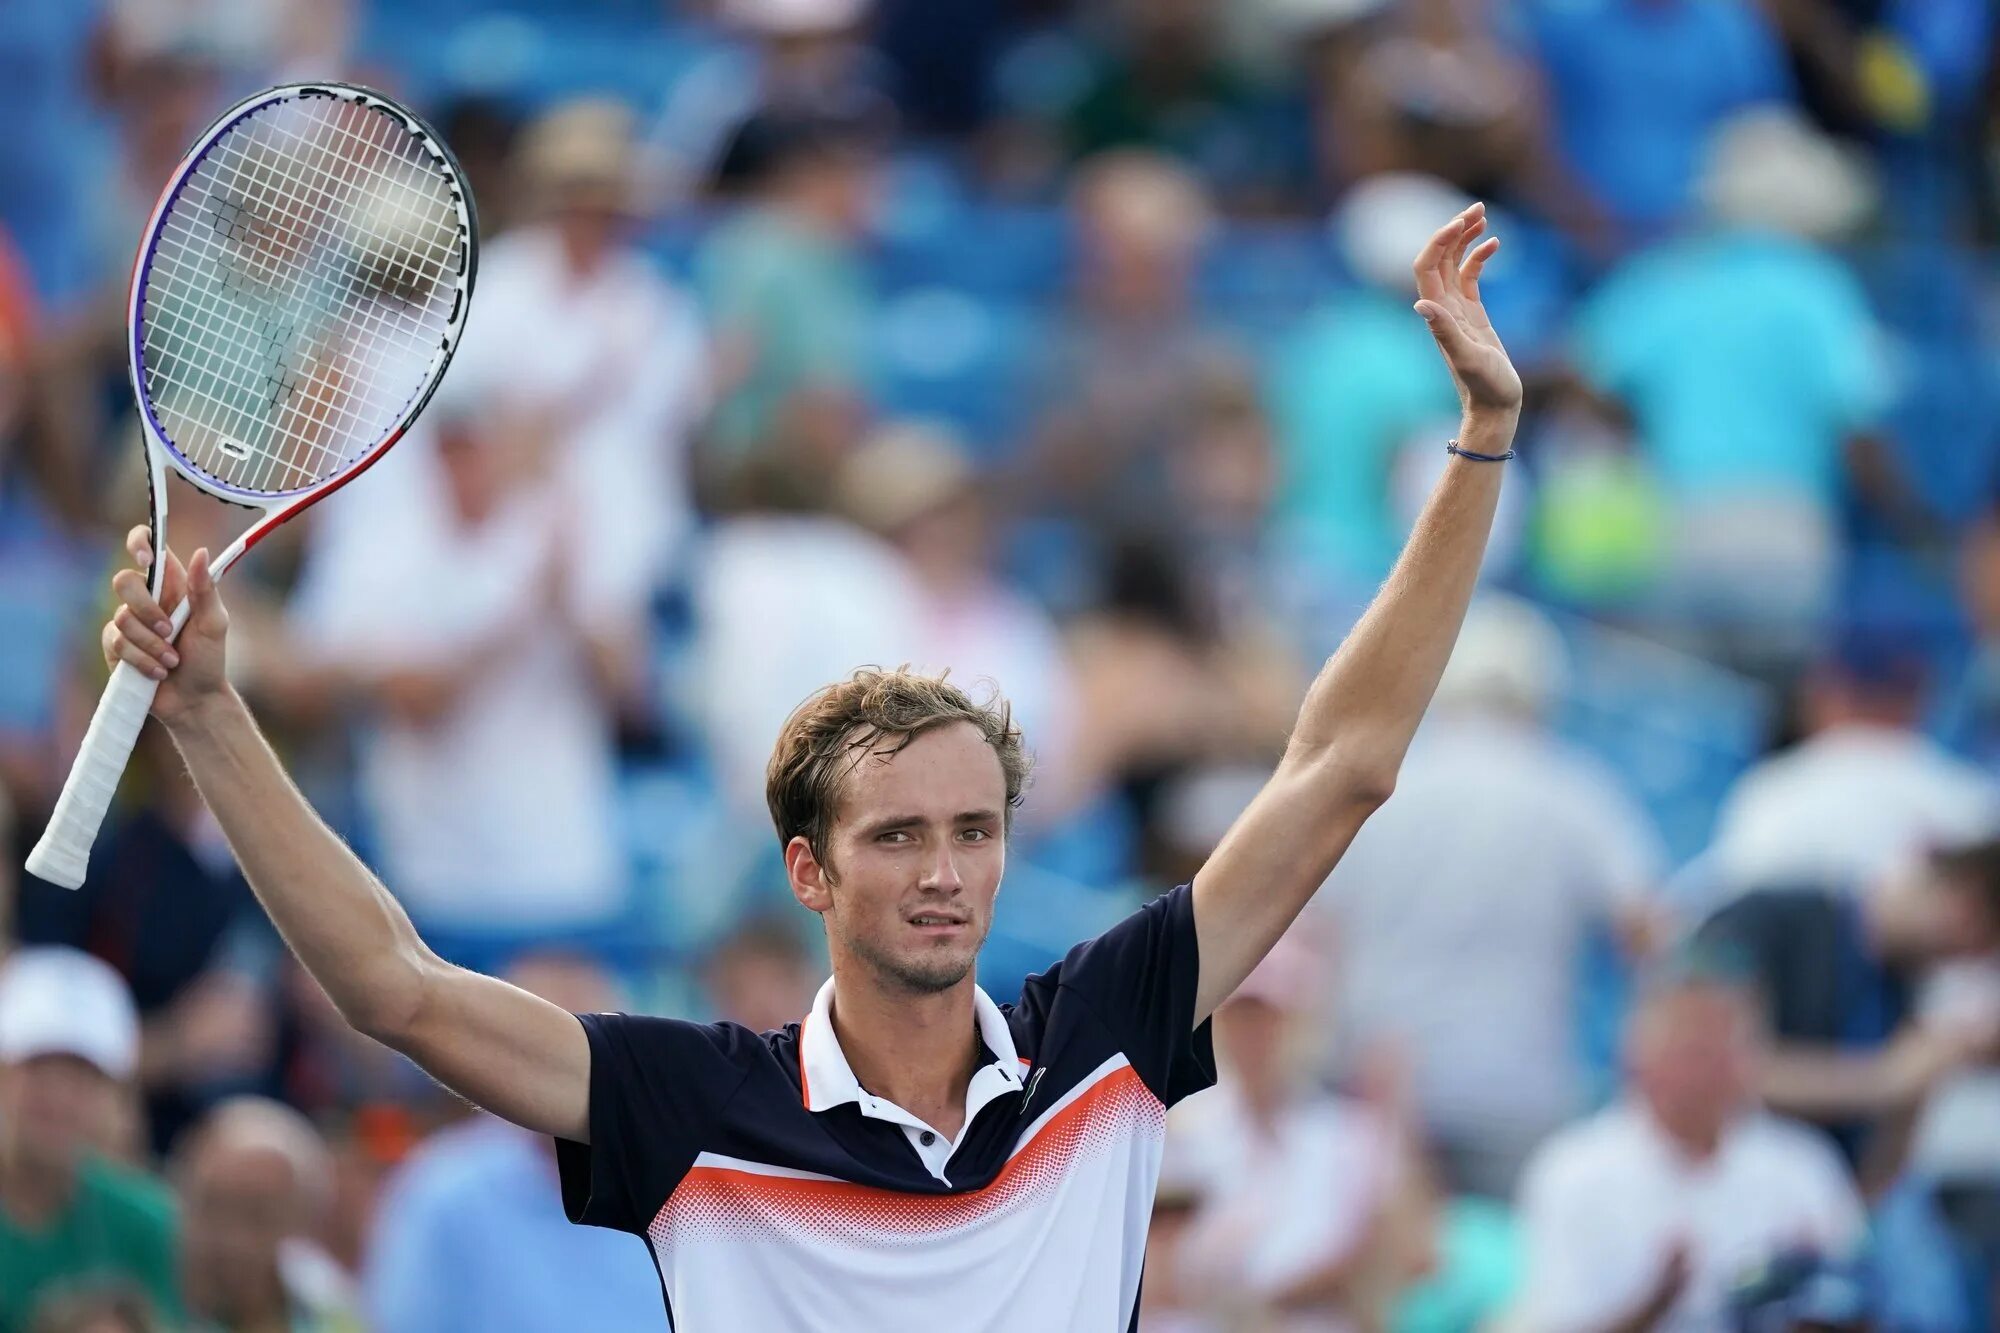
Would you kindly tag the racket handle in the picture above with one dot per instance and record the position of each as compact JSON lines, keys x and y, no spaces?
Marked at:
{"x":64,"y":851}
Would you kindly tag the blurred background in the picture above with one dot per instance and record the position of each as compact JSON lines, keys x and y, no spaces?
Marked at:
{"x":1066,"y":344}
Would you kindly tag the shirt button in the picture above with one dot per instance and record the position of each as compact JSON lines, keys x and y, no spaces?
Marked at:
{"x":927,"y":1138}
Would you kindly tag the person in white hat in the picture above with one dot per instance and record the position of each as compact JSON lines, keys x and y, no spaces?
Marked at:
{"x":69,"y":1045}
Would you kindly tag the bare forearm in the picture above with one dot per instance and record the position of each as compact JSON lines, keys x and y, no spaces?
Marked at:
{"x":353,"y":937}
{"x":1367,"y":701}
{"x":1829,"y":1084}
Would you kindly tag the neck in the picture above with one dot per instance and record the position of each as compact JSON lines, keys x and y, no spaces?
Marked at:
{"x":918,"y":1051}
{"x":1695,"y":1142}
{"x":32,"y":1193}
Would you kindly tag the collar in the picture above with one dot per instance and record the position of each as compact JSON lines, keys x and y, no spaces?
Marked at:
{"x":826,"y":1080}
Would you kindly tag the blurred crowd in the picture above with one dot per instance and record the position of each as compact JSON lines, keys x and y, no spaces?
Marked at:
{"x":1065,"y":344}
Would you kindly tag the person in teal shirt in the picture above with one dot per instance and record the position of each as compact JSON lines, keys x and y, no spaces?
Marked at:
{"x":782,"y":280}
{"x":71,"y":1220}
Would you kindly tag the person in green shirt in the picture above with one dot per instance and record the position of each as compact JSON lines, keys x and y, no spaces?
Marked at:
{"x":69,"y":1219}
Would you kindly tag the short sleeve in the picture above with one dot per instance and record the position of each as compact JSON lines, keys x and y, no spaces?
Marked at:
{"x":1139,"y":979}
{"x":658,"y":1086}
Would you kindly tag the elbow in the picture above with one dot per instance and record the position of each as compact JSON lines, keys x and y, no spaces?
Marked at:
{"x":389,"y":1006}
{"x":1353,"y":780}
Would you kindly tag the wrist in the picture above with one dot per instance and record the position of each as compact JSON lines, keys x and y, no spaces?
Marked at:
{"x":1488,"y":430}
{"x":204,"y":715}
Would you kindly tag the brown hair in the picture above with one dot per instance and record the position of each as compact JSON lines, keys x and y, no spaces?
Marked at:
{"x":873,"y":712}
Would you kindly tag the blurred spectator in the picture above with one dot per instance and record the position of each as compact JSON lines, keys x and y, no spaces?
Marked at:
{"x":1170,"y":687}
{"x":1313,"y":1212}
{"x":1907,"y":77}
{"x":913,"y":484}
{"x":162,"y":897}
{"x":1171,"y":1299}
{"x":69,"y":1217}
{"x":813,"y":55}
{"x":1754,"y":421}
{"x":1602,"y":519}
{"x":1433,"y":88}
{"x":1164,"y":80}
{"x":786,"y":598}
{"x":604,"y":412}
{"x":484,"y":135}
{"x":471,"y":1238}
{"x":1637,"y":87}
{"x":1860,"y":793}
{"x":255,"y":1184}
{"x":502,"y":636}
{"x":1653,"y":1212}
{"x":1118,"y":374}
{"x":48,"y":575}
{"x":785,"y":289}
{"x":1970,"y":721}
{"x":1466,"y":951}
{"x":157,"y":70}
{"x":1840,"y":973}
{"x":1360,"y":397}
{"x":762,"y":974}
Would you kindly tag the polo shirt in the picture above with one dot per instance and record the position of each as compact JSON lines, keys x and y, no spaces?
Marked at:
{"x":775,"y":1191}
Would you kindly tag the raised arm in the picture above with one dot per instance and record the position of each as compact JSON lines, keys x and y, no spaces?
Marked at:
{"x":1363,"y":709}
{"x":496,"y":1045}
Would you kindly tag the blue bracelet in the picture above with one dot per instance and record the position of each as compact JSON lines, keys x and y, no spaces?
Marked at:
{"x":1452,"y":448}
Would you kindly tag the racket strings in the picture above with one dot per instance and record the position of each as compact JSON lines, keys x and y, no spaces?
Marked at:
{"x":298,"y":293}
{"x":304,"y":206}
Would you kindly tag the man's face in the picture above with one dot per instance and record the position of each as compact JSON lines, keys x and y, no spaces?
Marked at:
{"x":238,"y":1204}
{"x":913,"y":860}
{"x":54,"y":1108}
{"x":1696,"y":1057}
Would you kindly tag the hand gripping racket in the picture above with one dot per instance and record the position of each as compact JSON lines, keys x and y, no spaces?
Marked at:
{"x":296,"y":298}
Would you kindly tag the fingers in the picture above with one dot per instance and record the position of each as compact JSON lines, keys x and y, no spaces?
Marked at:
{"x":1451,"y":334}
{"x":1429,"y":264}
{"x":139,"y":542}
{"x":130,"y":585}
{"x":1437,"y":263}
{"x":1475,"y":223}
{"x":1474,"y":265}
{"x":205,"y":610}
{"x":142,"y":637}
{"x":118,"y":648}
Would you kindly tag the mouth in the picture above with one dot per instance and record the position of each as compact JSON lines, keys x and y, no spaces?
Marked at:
{"x":938,"y":924}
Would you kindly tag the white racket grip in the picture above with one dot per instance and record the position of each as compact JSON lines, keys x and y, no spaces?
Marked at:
{"x":64,"y":849}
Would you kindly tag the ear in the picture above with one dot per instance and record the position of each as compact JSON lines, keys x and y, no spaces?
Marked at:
{"x":811,"y":879}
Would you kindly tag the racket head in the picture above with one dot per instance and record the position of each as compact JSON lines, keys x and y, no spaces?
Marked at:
{"x":299,"y":291}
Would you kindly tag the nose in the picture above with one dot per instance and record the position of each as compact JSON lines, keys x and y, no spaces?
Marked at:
{"x":941,"y":871}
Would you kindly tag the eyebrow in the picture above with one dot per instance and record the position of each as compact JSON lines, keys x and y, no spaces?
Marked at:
{"x":891,"y":823}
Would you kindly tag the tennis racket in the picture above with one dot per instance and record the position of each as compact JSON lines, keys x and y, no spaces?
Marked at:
{"x":297,"y":295}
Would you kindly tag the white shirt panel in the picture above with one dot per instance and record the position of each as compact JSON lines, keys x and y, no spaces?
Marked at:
{"x":742,"y":1245}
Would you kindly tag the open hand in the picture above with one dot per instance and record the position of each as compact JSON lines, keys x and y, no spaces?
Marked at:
{"x":190,"y":668}
{"x":1448,"y":291}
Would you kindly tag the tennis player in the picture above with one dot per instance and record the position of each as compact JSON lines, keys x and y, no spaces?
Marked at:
{"x":910,"y":1155}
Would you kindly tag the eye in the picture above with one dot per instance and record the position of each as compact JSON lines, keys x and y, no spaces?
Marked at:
{"x":894,"y":836}
{"x":976,"y":835}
